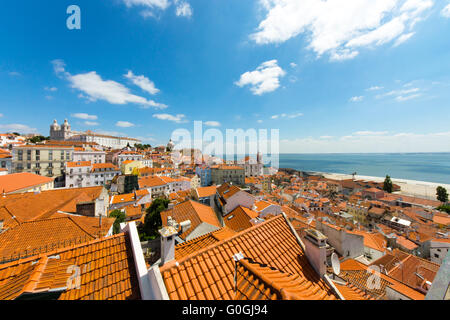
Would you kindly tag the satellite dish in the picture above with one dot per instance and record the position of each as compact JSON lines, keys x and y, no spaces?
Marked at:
{"x":335,"y":264}
{"x":310,"y":220}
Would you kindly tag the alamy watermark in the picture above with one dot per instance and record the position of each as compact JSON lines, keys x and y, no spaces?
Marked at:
{"x":74,"y":20}
{"x":230,"y":147}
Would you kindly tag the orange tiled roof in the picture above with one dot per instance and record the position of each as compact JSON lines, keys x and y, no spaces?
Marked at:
{"x":31,"y":238}
{"x":226,"y":190}
{"x":209,"y":273}
{"x":129,"y":197}
{"x":78,"y":164}
{"x":96,"y":166}
{"x":403,"y":267}
{"x":206,"y":191}
{"x":405,"y":243}
{"x":261,"y":205}
{"x":239,"y":218}
{"x":261,"y":282}
{"x":151,"y":181}
{"x":372,"y":240}
{"x":358,"y":275}
{"x":18,"y":181}
{"x":194,"y":211}
{"x":441,"y":220}
{"x":188,"y":247}
{"x":31,"y":206}
{"x":351,"y":292}
{"x":106,"y":267}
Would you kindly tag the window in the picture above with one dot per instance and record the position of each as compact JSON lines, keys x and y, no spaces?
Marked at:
{"x":20,"y":155}
{"x":436,"y":255}
{"x":50,"y":155}
{"x":29,"y":155}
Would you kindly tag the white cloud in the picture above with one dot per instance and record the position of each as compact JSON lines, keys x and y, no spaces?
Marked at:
{"x":371,"y":133}
{"x":446,"y":11}
{"x":340,"y":27}
{"x":293,"y":65}
{"x":124,"y":124}
{"x":91,"y":123}
{"x":16,"y":127}
{"x":356,"y":99}
{"x":160,"y":4}
{"x":142,"y":82}
{"x":403,"y":38}
{"x":183,"y":9}
{"x":1,"y":115}
{"x":259,"y":121}
{"x":14,"y":74}
{"x":406,"y":98}
{"x":399,"y":142}
{"x":51,"y":89}
{"x":287,"y":116}
{"x":179,"y":118}
{"x":264,"y":79}
{"x":374,"y":88}
{"x":212,"y":123}
{"x":94,"y":88}
{"x":84,"y":116}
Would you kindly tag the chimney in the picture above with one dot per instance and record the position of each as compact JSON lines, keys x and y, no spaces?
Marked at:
{"x":168,"y":234}
{"x":316,"y":250}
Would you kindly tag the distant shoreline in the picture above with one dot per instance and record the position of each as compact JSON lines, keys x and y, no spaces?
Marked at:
{"x":415,"y":188}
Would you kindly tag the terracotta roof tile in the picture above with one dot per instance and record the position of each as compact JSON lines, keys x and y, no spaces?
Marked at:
{"x":271,"y":242}
{"x":51,"y":271}
{"x":239,"y":218}
{"x":18,"y":181}
{"x":194,"y":211}
{"x":31,"y":206}
{"x":358,"y":275}
{"x":206,"y":191}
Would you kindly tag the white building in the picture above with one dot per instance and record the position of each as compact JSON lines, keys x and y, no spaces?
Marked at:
{"x":128,"y":156}
{"x":65,"y":133}
{"x":252,"y":168}
{"x":7,"y":140}
{"x":86,"y":174}
{"x":89,"y":154}
{"x":147,"y":162}
{"x":439,"y":249}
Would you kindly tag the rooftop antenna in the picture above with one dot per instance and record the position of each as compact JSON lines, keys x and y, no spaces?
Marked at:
{"x":335,"y":264}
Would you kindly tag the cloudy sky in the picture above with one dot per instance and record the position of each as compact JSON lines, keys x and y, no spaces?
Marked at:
{"x":331,"y":75}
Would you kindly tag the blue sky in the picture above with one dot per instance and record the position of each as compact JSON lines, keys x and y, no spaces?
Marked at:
{"x":364,"y":76}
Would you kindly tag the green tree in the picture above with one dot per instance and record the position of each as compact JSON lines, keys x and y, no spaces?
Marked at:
{"x":388,"y":186}
{"x":120,"y":217}
{"x":152,"y":221}
{"x":444,"y":208}
{"x":442,"y":194}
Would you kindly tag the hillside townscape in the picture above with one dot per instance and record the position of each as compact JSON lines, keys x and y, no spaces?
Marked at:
{"x":85,"y":216}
